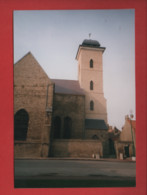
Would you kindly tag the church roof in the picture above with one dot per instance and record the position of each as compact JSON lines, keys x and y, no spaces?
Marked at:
{"x":95,"y":124}
{"x":67,"y":87}
{"x":90,"y":43}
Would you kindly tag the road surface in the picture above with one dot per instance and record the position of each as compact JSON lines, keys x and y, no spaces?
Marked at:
{"x":73,"y":168}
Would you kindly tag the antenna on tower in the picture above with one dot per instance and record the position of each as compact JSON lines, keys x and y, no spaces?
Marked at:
{"x":89,"y":35}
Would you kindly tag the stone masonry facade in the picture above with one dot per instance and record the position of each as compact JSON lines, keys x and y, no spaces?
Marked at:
{"x":54,"y":117}
{"x":30,"y":94}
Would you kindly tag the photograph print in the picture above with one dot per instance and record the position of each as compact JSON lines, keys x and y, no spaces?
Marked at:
{"x":74,"y":98}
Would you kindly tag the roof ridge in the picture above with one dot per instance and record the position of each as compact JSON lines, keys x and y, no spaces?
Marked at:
{"x":28,"y":53}
{"x":64,"y":79}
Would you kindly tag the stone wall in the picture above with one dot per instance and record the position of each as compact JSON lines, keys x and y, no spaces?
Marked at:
{"x":76,"y":148}
{"x":26,"y":149}
{"x":72,"y":106}
{"x":101,"y":134}
{"x":31,"y":85}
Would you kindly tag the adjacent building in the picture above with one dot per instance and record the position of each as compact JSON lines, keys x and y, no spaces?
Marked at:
{"x":127,"y":141}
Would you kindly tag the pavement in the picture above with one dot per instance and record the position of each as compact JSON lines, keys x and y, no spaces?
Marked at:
{"x":83,"y":159}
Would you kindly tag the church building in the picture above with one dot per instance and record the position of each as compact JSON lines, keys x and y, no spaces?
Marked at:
{"x":61,"y":118}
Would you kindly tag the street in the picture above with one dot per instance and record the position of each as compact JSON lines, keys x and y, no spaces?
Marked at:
{"x":73,"y":168}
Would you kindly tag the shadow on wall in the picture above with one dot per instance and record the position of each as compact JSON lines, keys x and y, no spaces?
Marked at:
{"x":58,"y":133}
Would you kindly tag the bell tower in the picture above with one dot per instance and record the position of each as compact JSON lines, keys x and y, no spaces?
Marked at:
{"x":90,"y":76}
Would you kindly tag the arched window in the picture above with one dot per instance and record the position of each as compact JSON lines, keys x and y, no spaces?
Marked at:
{"x":57,"y":127}
{"x":67,"y":128}
{"x":91,"y":63}
{"x":95,"y":137}
{"x":21,"y":120}
{"x":91,"y":105}
{"x":91,"y":85}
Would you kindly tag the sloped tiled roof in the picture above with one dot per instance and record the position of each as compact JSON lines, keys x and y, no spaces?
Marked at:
{"x":67,"y":87}
{"x":95,"y":124}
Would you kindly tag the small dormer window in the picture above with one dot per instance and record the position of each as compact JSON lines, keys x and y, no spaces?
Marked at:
{"x":91,"y":85}
{"x":91,"y":63}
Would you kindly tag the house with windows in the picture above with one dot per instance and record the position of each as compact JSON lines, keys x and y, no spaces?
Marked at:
{"x":127,"y":140}
{"x":57,"y":117}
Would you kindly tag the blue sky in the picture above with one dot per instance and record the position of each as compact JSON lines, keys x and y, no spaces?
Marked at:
{"x":53,"y":38}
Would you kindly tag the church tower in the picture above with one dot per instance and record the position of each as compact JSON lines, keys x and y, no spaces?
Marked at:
{"x":90,"y":76}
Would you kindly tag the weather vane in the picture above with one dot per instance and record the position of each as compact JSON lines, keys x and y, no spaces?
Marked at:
{"x":89,"y":35}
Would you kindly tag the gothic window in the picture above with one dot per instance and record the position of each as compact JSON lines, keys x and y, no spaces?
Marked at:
{"x":91,"y":105}
{"x":21,"y":120}
{"x":67,"y":128}
{"x":91,"y":85}
{"x":57,"y":127}
{"x":91,"y":63}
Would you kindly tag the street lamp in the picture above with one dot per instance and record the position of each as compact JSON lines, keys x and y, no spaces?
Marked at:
{"x":133,"y":148}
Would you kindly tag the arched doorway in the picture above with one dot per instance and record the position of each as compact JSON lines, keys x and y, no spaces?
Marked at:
{"x":57,"y":127}
{"x":67,"y":128}
{"x":21,"y":120}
